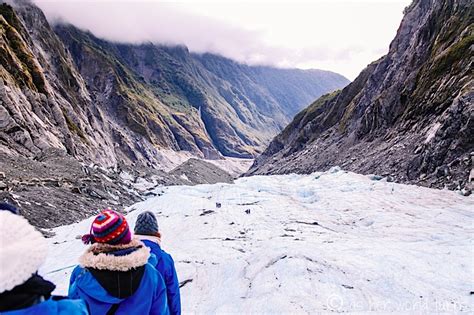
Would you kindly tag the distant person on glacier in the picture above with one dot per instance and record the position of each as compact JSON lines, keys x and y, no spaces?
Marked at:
{"x":22,"y":251}
{"x":146,"y":229}
{"x":114,"y":275}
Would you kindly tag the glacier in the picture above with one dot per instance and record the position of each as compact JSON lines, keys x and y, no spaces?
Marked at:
{"x":326,"y":242}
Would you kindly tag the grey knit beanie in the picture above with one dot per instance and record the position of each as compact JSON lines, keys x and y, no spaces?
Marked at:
{"x":146,"y":224}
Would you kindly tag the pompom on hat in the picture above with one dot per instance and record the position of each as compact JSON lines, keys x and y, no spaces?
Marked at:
{"x":23,"y":250}
{"x":109,"y":227}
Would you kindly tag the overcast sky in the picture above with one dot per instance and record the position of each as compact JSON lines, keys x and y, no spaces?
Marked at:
{"x":341,"y":36}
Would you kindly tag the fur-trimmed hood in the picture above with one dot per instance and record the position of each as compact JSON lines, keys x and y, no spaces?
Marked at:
{"x":101,"y":256}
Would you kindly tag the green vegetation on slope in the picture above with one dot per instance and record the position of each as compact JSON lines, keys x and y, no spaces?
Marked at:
{"x":15,"y":56}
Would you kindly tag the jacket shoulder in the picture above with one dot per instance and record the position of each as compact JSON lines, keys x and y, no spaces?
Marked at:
{"x":153,"y":276}
{"x":154,"y":247}
{"x":73,"y":307}
{"x":167,"y":257}
{"x":78,"y":270}
{"x":168,"y":261}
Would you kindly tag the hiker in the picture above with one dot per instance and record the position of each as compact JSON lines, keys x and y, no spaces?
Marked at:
{"x":114,"y":276}
{"x":146,"y":229}
{"x":22,"y":251}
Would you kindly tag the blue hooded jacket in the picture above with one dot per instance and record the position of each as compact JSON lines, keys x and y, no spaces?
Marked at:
{"x":165,"y":265}
{"x":102,"y":289}
{"x":53,"y":307}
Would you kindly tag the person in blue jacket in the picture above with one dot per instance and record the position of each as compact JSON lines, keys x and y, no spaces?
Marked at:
{"x":22,"y":251}
{"x":114,"y":276}
{"x":146,"y":229}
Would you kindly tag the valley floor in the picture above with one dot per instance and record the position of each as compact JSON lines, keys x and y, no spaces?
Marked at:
{"x":333,"y":241}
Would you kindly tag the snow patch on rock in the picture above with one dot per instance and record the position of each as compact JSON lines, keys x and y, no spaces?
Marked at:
{"x":432,"y":132}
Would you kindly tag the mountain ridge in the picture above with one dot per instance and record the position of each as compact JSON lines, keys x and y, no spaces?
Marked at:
{"x":408,"y":115}
{"x":111,"y":103}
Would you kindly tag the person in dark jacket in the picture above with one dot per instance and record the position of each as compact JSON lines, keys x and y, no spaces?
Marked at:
{"x":146,"y":229}
{"x":114,"y":275}
{"x":22,"y":251}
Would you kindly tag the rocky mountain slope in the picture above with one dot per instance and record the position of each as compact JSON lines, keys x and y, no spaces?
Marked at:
{"x":85,"y":123}
{"x":408,"y":115}
{"x":44,"y":100}
{"x":120,"y":104}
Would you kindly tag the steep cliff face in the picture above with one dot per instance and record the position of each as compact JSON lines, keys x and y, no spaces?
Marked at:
{"x":45,"y":102}
{"x":409,"y":115}
{"x":33,"y":110}
{"x":131,"y":102}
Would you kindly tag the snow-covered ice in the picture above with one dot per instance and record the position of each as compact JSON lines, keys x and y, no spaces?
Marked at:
{"x":334,"y":241}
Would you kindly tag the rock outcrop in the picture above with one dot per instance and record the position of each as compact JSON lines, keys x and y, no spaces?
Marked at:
{"x":198,"y":171}
{"x":408,"y":115}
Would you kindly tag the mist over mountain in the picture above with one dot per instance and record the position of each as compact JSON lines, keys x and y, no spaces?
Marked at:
{"x":338,"y":35}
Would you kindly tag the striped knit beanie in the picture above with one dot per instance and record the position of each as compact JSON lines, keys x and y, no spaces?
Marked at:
{"x":109,"y":227}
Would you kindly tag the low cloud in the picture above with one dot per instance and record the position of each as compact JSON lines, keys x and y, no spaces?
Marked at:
{"x":307,"y":35}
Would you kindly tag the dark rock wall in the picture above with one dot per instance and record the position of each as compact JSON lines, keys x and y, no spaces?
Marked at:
{"x":409,"y":115}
